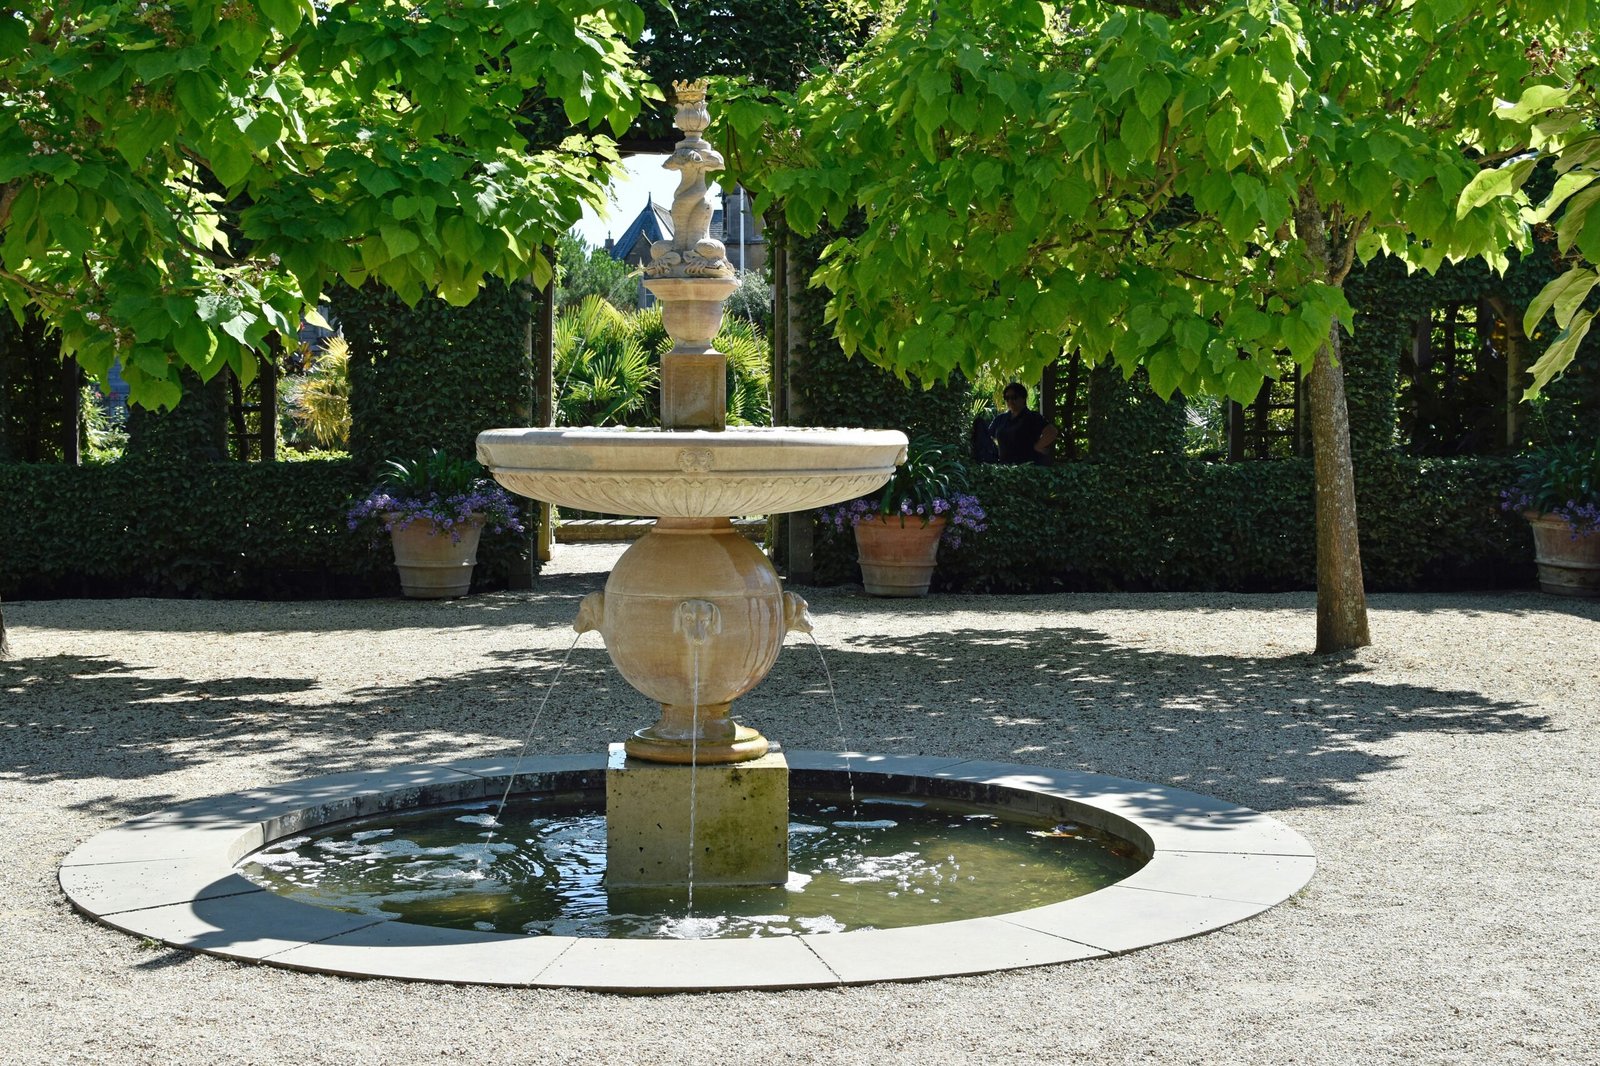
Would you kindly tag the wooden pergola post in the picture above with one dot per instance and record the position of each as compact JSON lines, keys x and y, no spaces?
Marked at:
{"x":544,"y":386}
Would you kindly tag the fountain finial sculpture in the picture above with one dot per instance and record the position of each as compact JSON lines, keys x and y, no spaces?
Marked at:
{"x":691,"y":251}
{"x":691,"y":276}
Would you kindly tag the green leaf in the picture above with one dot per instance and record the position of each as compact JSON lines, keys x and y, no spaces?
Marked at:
{"x":1139,"y":133}
{"x":13,"y":33}
{"x":1575,"y":217}
{"x":197,"y":91}
{"x":1166,"y":374}
{"x":1549,"y":295}
{"x":1572,"y":297}
{"x":285,"y":15}
{"x":377,"y":181}
{"x":1242,"y":381}
{"x":1152,"y":93}
{"x":230,"y":163}
{"x":264,"y":130}
{"x":1536,"y":99}
{"x":1557,"y":357}
{"x":1492,"y":184}
{"x":1566,"y":185}
{"x":399,"y":240}
{"x":134,"y":139}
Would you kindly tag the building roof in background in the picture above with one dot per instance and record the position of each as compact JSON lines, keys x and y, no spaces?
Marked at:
{"x":653,"y":224}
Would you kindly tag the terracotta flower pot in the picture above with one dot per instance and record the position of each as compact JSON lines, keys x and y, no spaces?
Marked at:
{"x":1568,"y":565}
{"x":432,"y":565}
{"x":897,"y":559}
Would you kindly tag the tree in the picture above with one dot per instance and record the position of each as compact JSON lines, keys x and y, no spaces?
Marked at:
{"x":1178,"y":185}
{"x":1564,"y":122}
{"x":582,"y":271}
{"x":179,"y":180}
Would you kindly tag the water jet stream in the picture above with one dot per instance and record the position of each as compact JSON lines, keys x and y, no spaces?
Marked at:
{"x":527,"y":738}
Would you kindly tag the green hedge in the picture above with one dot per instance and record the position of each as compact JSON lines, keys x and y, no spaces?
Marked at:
{"x":1189,"y":526}
{"x":203,"y":529}
{"x":184,"y":529}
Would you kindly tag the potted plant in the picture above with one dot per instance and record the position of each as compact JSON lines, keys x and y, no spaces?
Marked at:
{"x":435,"y":510}
{"x":1559,"y":494}
{"x":899,"y":530}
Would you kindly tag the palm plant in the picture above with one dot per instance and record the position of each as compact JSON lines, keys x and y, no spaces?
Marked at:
{"x":749,"y":372}
{"x":608,"y":366}
{"x":320,"y":402}
{"x":604,"y":374}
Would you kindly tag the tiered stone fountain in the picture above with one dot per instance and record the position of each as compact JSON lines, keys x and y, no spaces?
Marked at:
{"x":693,"y":614}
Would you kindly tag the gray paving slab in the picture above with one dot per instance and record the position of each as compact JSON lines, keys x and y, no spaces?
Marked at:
{"x":1263,"y":879}
{"x":108,"y":888}
{"x":979,"y":945}
{"x":1120,"y":919}
{"x":1238,"y":830}
{"x":249,"y":926}
{"x":426,"y":953}
{"x":337,"y":797}
{"x":225,"y":839}
{"x":687,"y":965}
{"x":501,"y":767}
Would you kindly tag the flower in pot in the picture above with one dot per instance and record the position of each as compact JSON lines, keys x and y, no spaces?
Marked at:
{"x":1558,"y":492}
{"x":899,"y":530}
{"x":435,"y":510}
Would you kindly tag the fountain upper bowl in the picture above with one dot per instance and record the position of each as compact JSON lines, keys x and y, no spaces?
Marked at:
{"x":691,"y":473}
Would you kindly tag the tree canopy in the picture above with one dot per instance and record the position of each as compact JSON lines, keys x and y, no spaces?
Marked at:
{"x":179,"y":180}
{"x":1565,"y":122}
{"x":1124,"y":179}
{"x":1174,"y":185}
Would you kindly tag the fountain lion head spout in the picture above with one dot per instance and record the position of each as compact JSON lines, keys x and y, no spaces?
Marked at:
{"x":693,"y":614}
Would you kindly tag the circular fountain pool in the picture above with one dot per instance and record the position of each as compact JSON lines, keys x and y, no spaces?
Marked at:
{"x":862,"y":862}
{"x":172,"y":877}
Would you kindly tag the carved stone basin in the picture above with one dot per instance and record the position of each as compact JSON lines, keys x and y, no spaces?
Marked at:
{"x":691,"y":474}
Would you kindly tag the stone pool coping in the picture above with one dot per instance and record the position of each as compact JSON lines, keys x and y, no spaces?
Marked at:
{"x":170,"y":876}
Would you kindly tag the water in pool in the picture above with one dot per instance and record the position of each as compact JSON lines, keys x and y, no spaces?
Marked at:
{"x":880,"y":863}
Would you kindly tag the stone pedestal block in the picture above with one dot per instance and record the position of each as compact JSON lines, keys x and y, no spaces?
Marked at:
{"x":741,"y":823}
{"x":694,"y":393}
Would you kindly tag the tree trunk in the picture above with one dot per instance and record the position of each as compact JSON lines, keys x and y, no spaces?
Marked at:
{"x":1341,"y":592}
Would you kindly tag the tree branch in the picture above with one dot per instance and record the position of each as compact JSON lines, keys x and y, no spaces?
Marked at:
{"x":1345,"y":254}
{"x":8,"y":195}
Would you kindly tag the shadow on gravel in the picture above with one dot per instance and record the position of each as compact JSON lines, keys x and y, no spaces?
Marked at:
{"x":553,"y":602}
{"x":1270,"y":733}
{"x":1267,"y":732}
{"x":72,"y":717}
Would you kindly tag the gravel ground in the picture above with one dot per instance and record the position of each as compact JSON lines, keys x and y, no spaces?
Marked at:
{"x":1446,"y":777}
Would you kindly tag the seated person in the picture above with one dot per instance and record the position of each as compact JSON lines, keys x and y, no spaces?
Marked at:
{"x":1022,"y":436}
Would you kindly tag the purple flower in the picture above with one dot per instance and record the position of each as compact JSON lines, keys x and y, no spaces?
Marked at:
{"x":962,"y":511}
{"x":448,"y":514}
